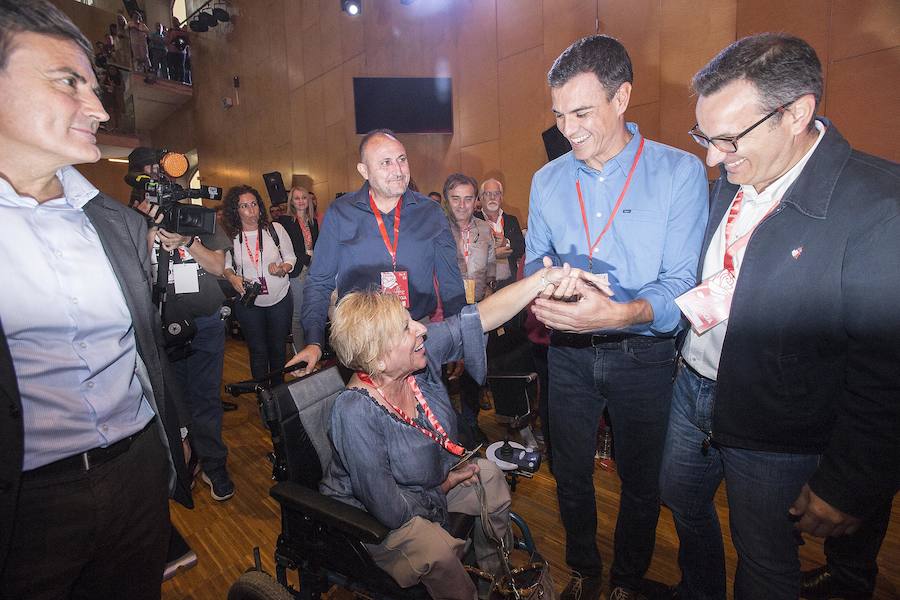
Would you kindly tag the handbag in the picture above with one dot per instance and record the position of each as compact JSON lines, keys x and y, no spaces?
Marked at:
{"x":532,"y":580}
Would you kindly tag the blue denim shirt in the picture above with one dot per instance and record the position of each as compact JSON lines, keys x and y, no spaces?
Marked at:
{"x":651,"y":250}
{"x":350,"y":255}
{"x":387,"y":467}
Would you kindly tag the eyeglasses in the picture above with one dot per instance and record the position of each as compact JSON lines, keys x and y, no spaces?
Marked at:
{"x":246,"y":204}
{"x":491,"y":194}
{"x":729,"y":144}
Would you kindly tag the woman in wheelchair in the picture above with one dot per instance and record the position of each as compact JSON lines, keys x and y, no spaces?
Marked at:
{"x":393,"y":431}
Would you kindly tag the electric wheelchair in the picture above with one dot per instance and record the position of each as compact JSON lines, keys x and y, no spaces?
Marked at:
{"x":322,"y":538}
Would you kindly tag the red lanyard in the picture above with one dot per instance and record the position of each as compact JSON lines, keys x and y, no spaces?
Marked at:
{"x":392,"y":249}
{"x":307,"y":236}
{"x":732,"y":248}
{"x":615,"y":210}
{"x":254,"y":258}
{"x":441,"y":438}
{"x":465,"y":236}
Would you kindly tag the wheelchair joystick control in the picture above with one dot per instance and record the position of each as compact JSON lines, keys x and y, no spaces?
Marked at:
{"x":506,"y":451}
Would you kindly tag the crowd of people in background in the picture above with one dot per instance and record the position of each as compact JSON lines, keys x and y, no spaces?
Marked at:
{"x":131,"y":48}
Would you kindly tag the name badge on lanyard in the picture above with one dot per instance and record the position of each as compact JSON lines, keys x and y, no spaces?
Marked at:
{"x":709,"y":303}
{"x":392,"y":282}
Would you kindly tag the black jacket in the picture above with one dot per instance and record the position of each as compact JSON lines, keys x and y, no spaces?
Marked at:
{"x":290,"y":225}
{"x":123,"y":233}
{"x":811,"y":358}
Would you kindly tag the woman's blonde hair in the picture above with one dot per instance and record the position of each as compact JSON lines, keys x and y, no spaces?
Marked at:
{"x":293,"y":210}
{"x":364,"y":327}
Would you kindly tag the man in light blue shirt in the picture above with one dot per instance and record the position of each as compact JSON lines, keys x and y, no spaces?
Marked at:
{"x":633,"y":211}
{"x":88,"y":430}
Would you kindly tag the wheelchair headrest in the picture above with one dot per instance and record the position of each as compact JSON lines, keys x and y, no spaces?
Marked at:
{"x":299,"y":417}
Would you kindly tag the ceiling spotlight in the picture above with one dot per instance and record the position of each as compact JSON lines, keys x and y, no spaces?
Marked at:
{"x":221,"y":14}
{"x":351,"y":7}
{"x":207,"y":19}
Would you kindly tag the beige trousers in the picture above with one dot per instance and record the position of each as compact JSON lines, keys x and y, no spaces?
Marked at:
{"x":422,"y":551}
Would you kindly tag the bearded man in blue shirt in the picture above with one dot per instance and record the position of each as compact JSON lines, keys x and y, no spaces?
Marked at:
{"x":631,"y":211}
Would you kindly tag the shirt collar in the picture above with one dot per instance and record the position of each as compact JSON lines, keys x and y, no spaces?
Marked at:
{"x":776,"y":190}
{"x":77,"y":191}
{"x":621,"y":161}
{"x":362,"y":199}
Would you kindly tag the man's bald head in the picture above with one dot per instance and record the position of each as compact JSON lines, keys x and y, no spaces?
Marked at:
{"x":374,"y":134}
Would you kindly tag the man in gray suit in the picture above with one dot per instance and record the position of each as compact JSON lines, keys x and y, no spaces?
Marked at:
{"x":88,"y":431}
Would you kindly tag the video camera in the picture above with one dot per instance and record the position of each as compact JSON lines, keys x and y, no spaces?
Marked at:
{"x":183,"y":219}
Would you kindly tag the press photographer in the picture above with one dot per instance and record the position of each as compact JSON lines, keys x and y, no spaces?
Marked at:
{"x":192,"y":255}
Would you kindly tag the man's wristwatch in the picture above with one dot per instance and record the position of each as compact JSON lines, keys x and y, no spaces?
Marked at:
{"x":192,"y":240}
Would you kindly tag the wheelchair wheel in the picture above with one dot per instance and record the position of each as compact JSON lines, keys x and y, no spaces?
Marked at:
{"x":256,"y":585}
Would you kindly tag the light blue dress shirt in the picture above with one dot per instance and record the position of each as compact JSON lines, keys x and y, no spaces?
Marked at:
{"x":69,"y":330}
{"x":651,"y":252}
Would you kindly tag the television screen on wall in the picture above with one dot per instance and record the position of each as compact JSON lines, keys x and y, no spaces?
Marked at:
{"x":403,"y":104}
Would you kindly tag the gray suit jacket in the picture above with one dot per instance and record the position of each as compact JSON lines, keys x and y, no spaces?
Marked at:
{"x":123,"y":233}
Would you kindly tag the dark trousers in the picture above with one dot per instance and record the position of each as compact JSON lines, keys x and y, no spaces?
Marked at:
{"x":265,"y":329}
{"x":200,"y":376}
{"x":100,"y":534}
{"x":633,"y":378}
{"x":852,"y":558}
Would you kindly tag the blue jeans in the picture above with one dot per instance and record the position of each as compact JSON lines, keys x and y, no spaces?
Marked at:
{"x":200,"y":376}
{"x":297,"y":295}
{"x":634,"y":379}
{"x":265,"y":329}
{"x":761,"y":487}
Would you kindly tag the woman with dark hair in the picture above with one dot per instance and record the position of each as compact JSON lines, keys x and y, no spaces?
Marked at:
{"x":262,"y":254}
{"x":300,"y":224}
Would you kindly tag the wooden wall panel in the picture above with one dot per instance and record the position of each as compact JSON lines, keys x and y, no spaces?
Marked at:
{"x":691,"y":34}
{"x":564,"y":22}
{"x":861,"y":26}
{"x":482,"y":160}
{"x":336,"y":150}
{"x":330,"y":34}
{"x":333,"y":93}
{"x":809,"y":20}
{"x":522,"y":119}
{"x":861,"y":87}
{"x":520,"y":26}
{"x":299,"y":137}
{"x":636,"y":24}
{"x":315,"y":129}
{"x":293,"y":17}
{"x":647,"y":118}
{"x":476,"y":88}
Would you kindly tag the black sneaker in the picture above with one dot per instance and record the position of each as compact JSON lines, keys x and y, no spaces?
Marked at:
{"x":221,"y":486}
{"x":582,"y":588}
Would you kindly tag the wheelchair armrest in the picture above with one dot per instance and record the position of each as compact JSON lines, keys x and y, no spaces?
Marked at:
{"x":334,"y":513}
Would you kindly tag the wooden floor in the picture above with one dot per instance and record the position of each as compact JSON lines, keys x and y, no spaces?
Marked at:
{"x":223,"y":534}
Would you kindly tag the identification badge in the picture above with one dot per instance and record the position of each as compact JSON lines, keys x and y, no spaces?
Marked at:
{"x":265,"y":287}
{"x":709,"y":303}
{"x":185,"y":277}
{"x":470,"y":290}
{"x":396,"y":283}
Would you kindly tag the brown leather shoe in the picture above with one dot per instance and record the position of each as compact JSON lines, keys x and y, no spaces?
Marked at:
{"x":582,"y":588}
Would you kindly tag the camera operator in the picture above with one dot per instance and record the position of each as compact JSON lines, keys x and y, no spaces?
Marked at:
{"x":192,"y":292}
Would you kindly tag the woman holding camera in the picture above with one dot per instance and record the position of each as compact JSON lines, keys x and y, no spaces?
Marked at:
{"x":262,"y":257}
